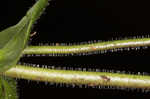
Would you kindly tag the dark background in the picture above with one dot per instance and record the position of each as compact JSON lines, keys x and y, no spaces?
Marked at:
{"x":75,"y":21}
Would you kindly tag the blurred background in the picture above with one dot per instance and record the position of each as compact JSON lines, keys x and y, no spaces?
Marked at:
{"x":76,"y":21}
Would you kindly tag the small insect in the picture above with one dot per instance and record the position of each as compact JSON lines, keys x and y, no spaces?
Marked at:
{"x":32,"y":34}
{"x":93,"y":48}
{"x":57,"y":44}
{"x":105,"y":78}
{"x":91,"y":84}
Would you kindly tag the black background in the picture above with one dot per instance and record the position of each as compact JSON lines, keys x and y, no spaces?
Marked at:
{"x":75,"y":21}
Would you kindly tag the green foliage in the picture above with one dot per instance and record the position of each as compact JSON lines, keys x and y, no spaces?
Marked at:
{"x":13,"y":40}
{"x":8,"y":88}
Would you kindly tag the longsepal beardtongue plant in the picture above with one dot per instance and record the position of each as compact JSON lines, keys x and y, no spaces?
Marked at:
{"x":13,"y":44}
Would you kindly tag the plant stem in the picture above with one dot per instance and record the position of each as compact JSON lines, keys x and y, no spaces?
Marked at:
{"x":99,"y":46}
{"x":79,"y":77}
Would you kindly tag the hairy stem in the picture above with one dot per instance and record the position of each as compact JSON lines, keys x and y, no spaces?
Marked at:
{"x":75,"y":49}
{"x":79,"y":77}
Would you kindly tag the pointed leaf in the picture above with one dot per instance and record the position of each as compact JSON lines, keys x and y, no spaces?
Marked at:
{"x":13,"y":40}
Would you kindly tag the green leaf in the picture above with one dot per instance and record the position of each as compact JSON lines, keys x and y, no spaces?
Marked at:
{"x":8,"y":88}
{"x":13,"y":40}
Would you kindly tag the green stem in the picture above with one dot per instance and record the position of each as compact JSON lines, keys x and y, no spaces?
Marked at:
{"x":79,"y":77}
{"x":100,"y":46}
